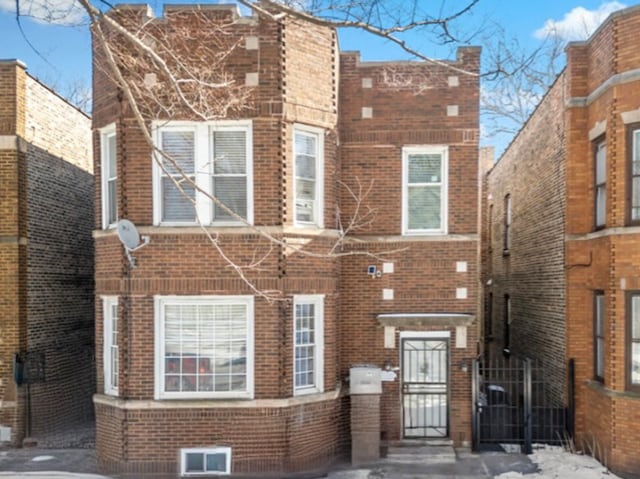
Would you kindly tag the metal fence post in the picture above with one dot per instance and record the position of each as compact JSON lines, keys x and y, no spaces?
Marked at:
{"x":528,"y":409}
{"x":475,"y":418}
{"x":571,"y":413}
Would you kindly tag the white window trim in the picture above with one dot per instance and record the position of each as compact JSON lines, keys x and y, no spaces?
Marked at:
{"x":425,"y":334}
{"x":209,"y":450}
{"x":107,"y":303}
{"x":318,"y":301}
{"x":318,"y":212}
{"x":105,"y":133}
{"x":159,"y":303}
{"x":202,"y":169}
{"x":442,"y":150}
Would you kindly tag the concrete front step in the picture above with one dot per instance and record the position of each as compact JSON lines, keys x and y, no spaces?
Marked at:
{"x":421,"y":455}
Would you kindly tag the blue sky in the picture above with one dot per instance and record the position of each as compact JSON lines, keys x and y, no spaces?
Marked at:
{"x":64,"y":55}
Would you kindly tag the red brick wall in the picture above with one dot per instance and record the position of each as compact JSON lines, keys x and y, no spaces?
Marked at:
{"x":47,"y":253}
{"x":409,"y":107}
{"x":298,"y":83}
{"x":609,"y":254}
{"x":587,"y":103}
{"x":532,"y":173}
{"x":263,"y":439}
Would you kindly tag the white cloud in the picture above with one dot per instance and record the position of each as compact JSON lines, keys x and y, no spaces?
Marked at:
{"x":62,"y":12}
{"x":579,"y":23}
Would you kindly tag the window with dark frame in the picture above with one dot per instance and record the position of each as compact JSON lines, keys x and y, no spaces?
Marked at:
{"x":633,"y":174}
{"x":507,"y":222}
{"x":598,"y":335}
{"x":488,"y":321}
{"x":600,"y":184}
{"x":507,"y":324}
{"x":633,"y":340}
{"x":490,"y":228}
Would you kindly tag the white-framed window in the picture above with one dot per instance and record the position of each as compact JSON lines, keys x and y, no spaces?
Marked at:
{"x":205,"y":461}
{"x":109,"y":173}
{"x":110,"y":344}
{"x":204,"y":347}
{"x":424,"y":189}
{"x":308,"y":366}
{"x":507,"y":223}
{"x":215,"y":158}
{"x":308,"y":168}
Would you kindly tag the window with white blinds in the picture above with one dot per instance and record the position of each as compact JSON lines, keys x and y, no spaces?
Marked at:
{"x":204,"y":347}
{"x":308,"y":146}
{"x":203,"y":173}
{"x":110,"y":344}
{"x":424,"y":203}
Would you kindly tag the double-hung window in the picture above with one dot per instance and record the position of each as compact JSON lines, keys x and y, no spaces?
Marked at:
{"x":204,"y":347}
{"x":203,"y":173}
{"x":109,"y":172}
{"x":178,"y":179}
{"x":600,"y":185}
{"x":110,"y":344}
{"x":633,"y":340}
{"x":633,"y":174}
{"x":308,"y":345}
{"x":598,"y":335}
{"x":308,"y":145}
{"x":424,"y":202}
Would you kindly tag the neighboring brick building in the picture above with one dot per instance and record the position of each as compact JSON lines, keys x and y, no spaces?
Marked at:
{"x":196,"y":371}
{"x":569,"y":266}
{"x":46,"y":257}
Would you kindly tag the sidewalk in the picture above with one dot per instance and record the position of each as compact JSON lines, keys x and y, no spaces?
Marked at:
{"x":438,"y":463}
{"x":48,"y":463}
{"x":400,"y":463}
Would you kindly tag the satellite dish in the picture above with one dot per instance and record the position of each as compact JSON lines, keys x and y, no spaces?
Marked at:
{"x":128,"y":234}
{"x":130,"y":239}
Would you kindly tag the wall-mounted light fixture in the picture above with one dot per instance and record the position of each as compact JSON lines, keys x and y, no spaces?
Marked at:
{"x":464,"y":367}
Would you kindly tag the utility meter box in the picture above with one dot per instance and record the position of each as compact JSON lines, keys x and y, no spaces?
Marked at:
{"x":365,"y":380}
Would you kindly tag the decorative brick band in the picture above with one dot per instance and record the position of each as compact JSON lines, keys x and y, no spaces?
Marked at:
{"x":216,"y":404}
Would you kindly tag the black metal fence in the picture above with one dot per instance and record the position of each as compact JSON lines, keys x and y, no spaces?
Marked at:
{"x":511,"y":406}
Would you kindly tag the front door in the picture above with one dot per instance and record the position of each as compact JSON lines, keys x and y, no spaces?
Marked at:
{"x":425,"y":372}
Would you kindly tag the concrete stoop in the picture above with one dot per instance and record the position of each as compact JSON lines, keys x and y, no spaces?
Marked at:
{"x":425,"y":454}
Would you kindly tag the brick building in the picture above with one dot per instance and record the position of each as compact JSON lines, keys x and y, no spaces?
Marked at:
{"x":561,"y":229}
{"x":46,"y":259}
{"x":199,"y":373}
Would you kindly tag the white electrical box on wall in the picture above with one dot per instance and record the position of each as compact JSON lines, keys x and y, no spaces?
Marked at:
{"x":365,"y":380}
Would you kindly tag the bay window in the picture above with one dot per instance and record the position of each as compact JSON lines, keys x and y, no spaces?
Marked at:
{"x":203,"y":173}
{"x":204,"y":347}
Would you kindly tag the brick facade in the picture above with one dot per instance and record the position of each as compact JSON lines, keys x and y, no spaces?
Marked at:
{"x":302,"y":80}
{"x":531,"y":173}
{"x":46,"y":255}
{"x":560,"y":259}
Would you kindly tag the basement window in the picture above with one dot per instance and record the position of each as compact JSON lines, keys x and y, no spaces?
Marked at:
{"x":216,"y":460}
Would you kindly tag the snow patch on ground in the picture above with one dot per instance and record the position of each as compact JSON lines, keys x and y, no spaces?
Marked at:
{"x":557,"y":463}
{"x":42,"y":458}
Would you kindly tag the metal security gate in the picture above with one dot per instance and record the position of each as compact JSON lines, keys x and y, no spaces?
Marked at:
{"x":511,"y":406}
{"x":425,"y":391}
